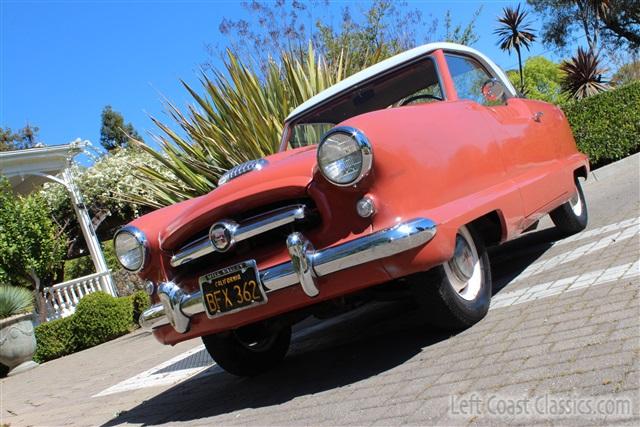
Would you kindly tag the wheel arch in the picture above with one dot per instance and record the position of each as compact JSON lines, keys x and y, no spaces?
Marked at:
{"x":491,"y":226}
{"x":580,"y":172}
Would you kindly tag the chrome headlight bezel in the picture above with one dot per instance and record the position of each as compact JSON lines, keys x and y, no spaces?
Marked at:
{"x":364,"y":147}
{"x":142,"y":245}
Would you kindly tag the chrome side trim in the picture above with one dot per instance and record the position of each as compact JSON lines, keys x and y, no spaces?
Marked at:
{"x":245,"y":230}
{"x":307,"y":264}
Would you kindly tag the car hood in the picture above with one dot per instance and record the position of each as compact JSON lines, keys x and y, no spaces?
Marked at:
{"x":286,"y":176}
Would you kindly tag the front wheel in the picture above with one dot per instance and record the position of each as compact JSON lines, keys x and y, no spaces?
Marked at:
{"x":250,"y":350}
{"x":572,"y":216}
{"x":457,"y":294}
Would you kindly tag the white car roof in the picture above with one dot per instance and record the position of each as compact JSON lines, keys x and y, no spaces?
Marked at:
{"x":393,"y":62}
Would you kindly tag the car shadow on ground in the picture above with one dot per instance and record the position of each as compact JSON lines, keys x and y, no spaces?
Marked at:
{"x":327,"y":355}
{"x":324,"y":356}
{"x":510,"y":259}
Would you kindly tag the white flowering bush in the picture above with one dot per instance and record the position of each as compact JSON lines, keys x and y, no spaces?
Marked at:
{"x":110,"y":186}
{"x":111,"y":183}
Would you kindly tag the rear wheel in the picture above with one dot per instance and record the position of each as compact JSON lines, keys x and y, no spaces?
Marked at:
{"x":457,"y":294}
{"x":250,"y":350}
{"x":572,"y":216}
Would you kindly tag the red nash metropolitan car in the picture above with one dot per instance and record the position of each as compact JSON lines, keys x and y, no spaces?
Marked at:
{"x":398,"y":177}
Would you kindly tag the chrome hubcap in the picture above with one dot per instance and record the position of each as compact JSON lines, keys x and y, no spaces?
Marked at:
{"x":463,"y":260}
{"x":463,"y":269}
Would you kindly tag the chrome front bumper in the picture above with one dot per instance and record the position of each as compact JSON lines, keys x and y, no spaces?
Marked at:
{"x":306,"y":265}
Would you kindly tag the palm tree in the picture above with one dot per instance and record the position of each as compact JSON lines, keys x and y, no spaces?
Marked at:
{"x":514,"y":33}
{"x":583,"y":75}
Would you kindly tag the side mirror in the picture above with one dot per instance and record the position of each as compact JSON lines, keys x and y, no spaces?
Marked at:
{"x":493,"y":91}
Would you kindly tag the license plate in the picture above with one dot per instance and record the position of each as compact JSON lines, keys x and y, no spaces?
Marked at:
{"x":232,"y":289}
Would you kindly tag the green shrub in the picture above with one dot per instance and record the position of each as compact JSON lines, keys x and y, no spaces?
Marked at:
{"x":54,"y":339}
{"x":30,"y":241}
{"x":140,"y":302}
{"x":607,"y":126}
{"x":99,"y":318}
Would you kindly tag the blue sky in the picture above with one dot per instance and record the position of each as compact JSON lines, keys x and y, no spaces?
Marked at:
{"x":61,"y":62}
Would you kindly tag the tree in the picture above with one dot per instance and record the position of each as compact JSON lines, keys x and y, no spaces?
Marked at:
{"x":383,"y":27}
{"x":114,"y":133}
{"x":583,"y":75}
{"x":626,"y":74}
{"x":514,"y":33}
{"x":543,"y":80}
{"x":27,"y":137}
{"x":462,"y":34}
{"x":375,"y":38}
{"x":621,"y":21}
{"x":614,"y":21}
{"x":385,"y":30}
{"x":31,"y":246}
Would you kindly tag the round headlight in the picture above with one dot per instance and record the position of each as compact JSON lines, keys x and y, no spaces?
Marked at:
{"x":131,"y":248}
{"x":345,"y":156}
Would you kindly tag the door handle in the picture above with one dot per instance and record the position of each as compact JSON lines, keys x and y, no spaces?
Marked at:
{"x":537,"y":117}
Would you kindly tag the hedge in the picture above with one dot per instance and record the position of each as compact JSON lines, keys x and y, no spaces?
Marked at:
{"x":607,"y":126}
{"x":54,"y":339}
{"x":98,"y":318}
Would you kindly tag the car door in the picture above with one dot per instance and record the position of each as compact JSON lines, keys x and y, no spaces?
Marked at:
{"x":528,"y":156}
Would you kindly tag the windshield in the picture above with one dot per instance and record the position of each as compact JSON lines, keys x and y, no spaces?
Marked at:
{"x":413,"y":84}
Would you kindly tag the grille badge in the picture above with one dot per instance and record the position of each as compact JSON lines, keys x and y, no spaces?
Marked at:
{"x":222,"y":235}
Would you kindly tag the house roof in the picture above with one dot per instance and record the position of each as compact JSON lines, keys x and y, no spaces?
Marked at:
{"x":393,"y":62}
{"x":27,"y":169}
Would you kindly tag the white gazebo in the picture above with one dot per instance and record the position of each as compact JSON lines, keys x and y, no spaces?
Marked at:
{"x":27,"y":170}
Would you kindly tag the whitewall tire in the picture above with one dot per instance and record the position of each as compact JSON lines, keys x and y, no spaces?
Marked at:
{"x":457,"y":294}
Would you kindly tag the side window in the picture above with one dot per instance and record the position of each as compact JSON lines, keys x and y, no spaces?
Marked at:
{"x":469,"y":77}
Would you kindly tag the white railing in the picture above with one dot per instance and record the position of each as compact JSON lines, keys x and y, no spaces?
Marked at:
{"x":61,"y":299}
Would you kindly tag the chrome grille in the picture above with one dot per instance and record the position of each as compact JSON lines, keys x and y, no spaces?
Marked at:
{"x":245,"y":229}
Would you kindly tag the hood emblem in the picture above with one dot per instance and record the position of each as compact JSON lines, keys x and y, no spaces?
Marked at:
{"x":241,"y":169}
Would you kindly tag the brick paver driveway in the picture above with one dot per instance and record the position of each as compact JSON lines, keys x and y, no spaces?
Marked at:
{"x":560,"y":345}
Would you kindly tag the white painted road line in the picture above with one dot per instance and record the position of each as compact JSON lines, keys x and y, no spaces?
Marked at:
{"x":618,"y":226}
{"x":557,"y":287}
{"x":168,"y":373}
{"x":579,"y":252}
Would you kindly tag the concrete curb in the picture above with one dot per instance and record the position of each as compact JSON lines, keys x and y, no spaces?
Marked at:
{"x":613,"y":168}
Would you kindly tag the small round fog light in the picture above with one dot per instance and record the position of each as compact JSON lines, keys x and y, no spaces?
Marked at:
{"x":365,"y":207}
{"x":149,"y":287}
